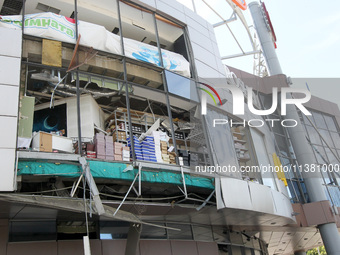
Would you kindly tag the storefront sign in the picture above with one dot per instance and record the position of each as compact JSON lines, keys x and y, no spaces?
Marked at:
{"x":240,"y":3}
{"x":57,"y":27}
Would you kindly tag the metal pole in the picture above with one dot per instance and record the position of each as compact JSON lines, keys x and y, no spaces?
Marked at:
{"x":166,"y":89}
{"x":303,"y":151}
{"x":80,"y":149}
{"x":126,"y":195}
{"x":125,"y":82}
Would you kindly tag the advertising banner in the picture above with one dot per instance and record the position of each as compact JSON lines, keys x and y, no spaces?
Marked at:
{"x":56,"y":27}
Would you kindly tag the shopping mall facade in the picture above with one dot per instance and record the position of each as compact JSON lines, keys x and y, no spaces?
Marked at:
{"x":124,"y":127}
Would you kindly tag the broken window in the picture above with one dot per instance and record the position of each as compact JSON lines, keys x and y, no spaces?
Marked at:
{"x":138,"y":31}
{"x":190,"y":139}
{"x":172,"y":40}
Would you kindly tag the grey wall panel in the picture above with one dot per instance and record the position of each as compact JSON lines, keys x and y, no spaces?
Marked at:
{"x":3,"y":236}
{"x":7,"y":166}
{"x":153,"y":247}
{"x":261,"y":198}
{"x":207,"y":248}
{"x":184,"y":248}
{"x":113,"y":246}
{"x":74,"y":247}
{"x":230,"y":187}
{"x":10,"y":43}
{"x":33,"y":248}
{"x":96,"y":247}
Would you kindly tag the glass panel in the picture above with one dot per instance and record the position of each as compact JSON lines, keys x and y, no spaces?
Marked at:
{"x":247,"y":251}
{"x":305,"y":119}
{"x":276,"y":128}
{"x":103,"y":13}
{"x":236,"y":250}
{"x":220,"y":136}
{"x":330,"y":123}
{"x":172,"y":42}
{"x":319,"y":120}
{"x":139,"y":34}
{"x":256,"y":245}
{"x":325,"y":135}
{"x":224,"y":249}
{"x":267,"y":102}
{"x":320,"y":154}
{"x":220,"y":235}
{"x":114,"y":229}
{"x":332,"y":159}
{"x":181,"y":86}
{"x":202,"y":233}
{"x":32,"y":231}
{"x":336,"y":139}
{"x":100,"y":18}
{"x":262,"y":158}
{"x":287,"y":163}
{"x":247,"y":242}
{"x":282,"y":144}
{"x":184,"y":233}
{"x":294,"y":190}
{"x":236,"y":238}
{"x":189,"y":132}
{"x":151,"y":232}
{"x":313,"y":135}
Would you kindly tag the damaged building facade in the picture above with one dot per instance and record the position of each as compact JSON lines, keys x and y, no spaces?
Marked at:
{"x":104,"y":147}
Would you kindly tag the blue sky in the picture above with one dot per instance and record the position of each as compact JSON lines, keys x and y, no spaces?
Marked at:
{"x":308,"y":35}
{"x":308,"y":40}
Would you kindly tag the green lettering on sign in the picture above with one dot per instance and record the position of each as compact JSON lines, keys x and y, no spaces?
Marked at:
{"x":62,"y":27}
{"x":54,"y":24}
{"x":36,"y":22}
{"x":69,"y":32}
{"x":45,"y":22}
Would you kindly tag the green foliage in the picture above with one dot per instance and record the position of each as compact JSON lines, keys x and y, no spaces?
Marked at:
{"x":315,"y":251}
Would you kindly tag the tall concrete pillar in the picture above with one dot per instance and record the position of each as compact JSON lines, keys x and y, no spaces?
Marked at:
{"x":133,"y":237}
{"x":302,"y":149}
{"x":300,"y":253}
{"x":4,"y":229}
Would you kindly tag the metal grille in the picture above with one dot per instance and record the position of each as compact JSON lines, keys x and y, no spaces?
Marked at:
{"x":11,"y":7}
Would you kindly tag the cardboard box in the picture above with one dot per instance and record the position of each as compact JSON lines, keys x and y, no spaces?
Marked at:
{"x":101,"y":156}
{"x":45,"y":142}
{"x":126,"y":153}
{"x":91,"y":154}
{"x":89,"y":147}
{"x":118,"y":157}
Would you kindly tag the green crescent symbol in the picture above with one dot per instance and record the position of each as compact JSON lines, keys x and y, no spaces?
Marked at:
{"x":209,"y":93}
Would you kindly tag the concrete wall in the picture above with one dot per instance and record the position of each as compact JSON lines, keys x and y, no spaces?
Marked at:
{"x":10,"y":54}
{"x":105,"y":247}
